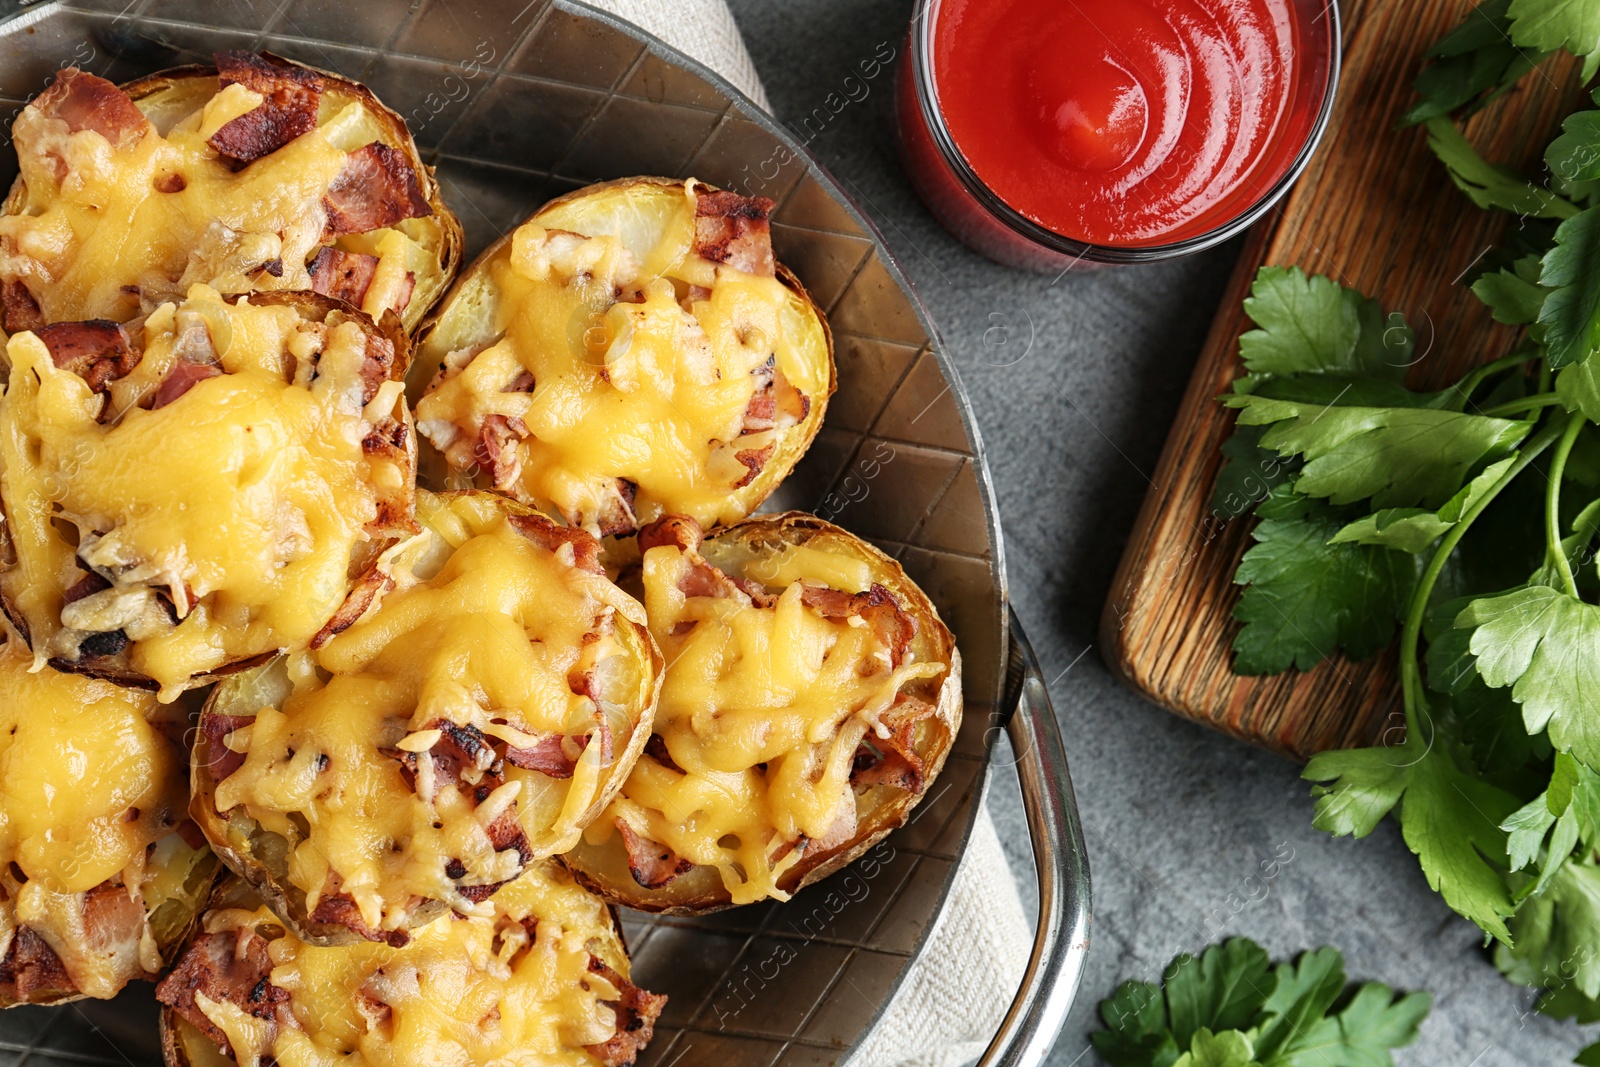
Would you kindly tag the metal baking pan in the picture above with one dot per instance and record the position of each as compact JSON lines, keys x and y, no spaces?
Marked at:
{"x":514,"y":102}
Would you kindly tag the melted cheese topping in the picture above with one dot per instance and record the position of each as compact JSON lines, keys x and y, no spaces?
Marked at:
{"x":635,"y":376}
{"x":91,"y":793}
{"x":762,"y":710}
{"x":245,"y":498}
{"x":494,"y":638}
{"x":81,"y":241}
{"x":472,"y":991}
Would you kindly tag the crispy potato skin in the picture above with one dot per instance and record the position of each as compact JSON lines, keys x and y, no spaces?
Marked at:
{"x":604,"y":868}
{"x":178,"y":1036}
{"x":149,"y":90}
{"x":116,"y":668}
{"x":258,"y":857}
{"x":455,"y":315}
{"x":170,"y":945}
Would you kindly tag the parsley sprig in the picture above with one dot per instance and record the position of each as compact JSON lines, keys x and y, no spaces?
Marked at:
{"x":1461,"y":526}
{"x":1232,"y":1008}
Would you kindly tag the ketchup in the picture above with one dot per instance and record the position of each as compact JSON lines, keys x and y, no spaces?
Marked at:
{"x":1124,"y":122}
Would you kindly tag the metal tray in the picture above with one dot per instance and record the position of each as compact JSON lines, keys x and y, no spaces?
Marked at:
{"x":515,"y":102}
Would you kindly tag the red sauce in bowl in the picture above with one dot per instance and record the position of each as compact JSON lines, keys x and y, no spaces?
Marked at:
{"x":1125,"y":122}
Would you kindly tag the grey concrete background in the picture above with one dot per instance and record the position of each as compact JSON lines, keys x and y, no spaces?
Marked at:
{"x":1178,"y":818}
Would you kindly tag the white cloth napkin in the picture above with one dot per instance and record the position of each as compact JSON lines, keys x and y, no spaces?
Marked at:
{"x":957,"y":992}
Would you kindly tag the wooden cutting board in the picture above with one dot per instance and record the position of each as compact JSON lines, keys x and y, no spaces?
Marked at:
{"x":1375,"y":211}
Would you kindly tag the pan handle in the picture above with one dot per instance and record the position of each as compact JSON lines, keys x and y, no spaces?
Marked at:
{"x":1062,"y":941}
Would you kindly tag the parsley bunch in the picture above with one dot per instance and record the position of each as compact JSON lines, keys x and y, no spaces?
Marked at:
{"x":1232,"y":1008}
{"x":1466,"y":519}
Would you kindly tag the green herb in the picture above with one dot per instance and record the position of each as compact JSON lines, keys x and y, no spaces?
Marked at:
{"x":1473,"y":64}
{"x":1232,"y":1008}
{"x":1573,"y":25}
{"x":1466,"y":520}
{"x":1306,"y":595}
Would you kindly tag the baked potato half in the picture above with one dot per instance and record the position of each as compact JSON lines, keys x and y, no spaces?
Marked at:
{"x":632,"y":350}
{"x":101,"y":872}
{"x":255,"y":174}
{"x":541,"y":978}
{"x":486,"y":707}
{"x":810,"y":699}
{"x":196,"y":495}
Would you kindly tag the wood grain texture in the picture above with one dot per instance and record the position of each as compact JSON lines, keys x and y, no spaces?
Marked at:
{"x":1375,"y":211}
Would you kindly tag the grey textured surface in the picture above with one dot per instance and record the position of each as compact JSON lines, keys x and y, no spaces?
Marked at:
{"x":1075,"y":384}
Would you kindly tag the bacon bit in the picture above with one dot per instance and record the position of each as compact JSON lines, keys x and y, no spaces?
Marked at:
{"x":762,"y":411}
{"x":189,"y":830}
{"x":652,"y":864}
{"x":496,"y":451}
{"x":702,"y":578}
{"x":877,"y":606}
{"x":96,"y":351}
{"x":89,"y":584}
{"x":617,"y":517}
{"x":386,"y":439}
{"x":180,"y":379}
{"x":85,"y":102}
{"x":225,"y":967}
{"x":19,"y":311}
{"x":679,"y":530}
{"x":656,"y":749}
{"x":290,"y":97}
{"x":171,"y":183}
{"x":221,"y":760}
{"x":375,"y":188}
{"x":32,"y":970}
{"x":896,"y":763}
{"x":111,"y":917}
{"x":548,"y":757}
{"x":339,"y":909}
{"x":636,"y":1011}
{"x":343,"y":275}
{"x":734,"y":229}
{"x":367,"y":588}
{"x":273,"y":267}
{"x":522,"y":383}
{"x":377,"y":364}
{"x":756,"y":592}
{"x":754,"y":459}
{"x":551,"y":536}
{"x":373,"y":1010}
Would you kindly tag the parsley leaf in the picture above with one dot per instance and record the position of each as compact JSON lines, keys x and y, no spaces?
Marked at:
{"x":1222,"y":990}
{"x":1400,"y":457}
{"x":1589,"y":1056}
{"x":1472,"y":64}
{"x":1306,"y":597}
{"x":1555,"y":933}
{"x":1227,"y":1049}
{"x":1574,"y":157}
{"x":1513,"y":296}
{"x":1546,"y":646}
{"x":1489,"y":185}
{"x":1249,"y":473}
{"x":1578,"y":388}
{"x":1449,"y":818}
{"x":1363,"y":1033}
{"x":1237,"y":1011}
{"x":1314,"y":325}
{"x":1571,"y":313}
{"x":1565,"y":812}
{"x":1136,"y":1031}
{"x":1413,"y":529}
{"x":1551,"y":24}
